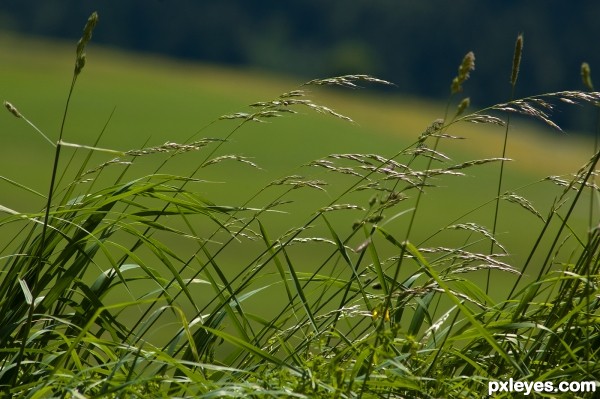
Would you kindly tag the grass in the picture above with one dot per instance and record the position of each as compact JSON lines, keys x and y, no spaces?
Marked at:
{"x":351,"y":276}
{"x":159,"y":100}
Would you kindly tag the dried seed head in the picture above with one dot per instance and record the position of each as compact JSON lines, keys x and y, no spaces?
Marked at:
{"x":455,"y":87}
{"x":517,"y":60}
{"x":464,"y":104}
{"x":11,"y":108}
{"x":467,"y":65}
{"x":432,"y":129}
{"x":586,"y":76}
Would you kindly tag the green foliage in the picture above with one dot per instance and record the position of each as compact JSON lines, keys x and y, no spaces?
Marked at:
{"x":124,"y":284}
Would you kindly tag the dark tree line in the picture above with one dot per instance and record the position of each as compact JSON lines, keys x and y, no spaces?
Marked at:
{"x":416,"y":44}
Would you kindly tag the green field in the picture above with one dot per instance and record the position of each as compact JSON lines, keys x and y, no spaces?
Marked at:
{"x":158,"y":100}
{"x":157,"y":273}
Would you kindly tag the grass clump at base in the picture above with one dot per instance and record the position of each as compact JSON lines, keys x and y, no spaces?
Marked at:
{"x":133,"y":282}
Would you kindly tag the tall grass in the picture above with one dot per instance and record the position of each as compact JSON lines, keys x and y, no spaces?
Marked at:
{"x":132,"y":284}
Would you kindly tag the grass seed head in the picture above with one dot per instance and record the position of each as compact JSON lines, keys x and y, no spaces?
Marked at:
{"x":87,"y":33}
{"x":11,"y":108}
{"x":586,"y":76}
{"x":85,"y":38}
{"x":467,"y":65}
{"x":464,"y":104}
{"x":517,"y":60}
{"x":79,"y":63}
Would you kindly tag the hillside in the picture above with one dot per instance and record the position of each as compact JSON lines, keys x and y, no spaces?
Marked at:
{"x":164,"y":99}
{"x":156,"y":100}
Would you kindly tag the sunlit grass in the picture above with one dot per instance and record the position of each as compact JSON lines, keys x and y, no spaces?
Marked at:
{"x":196,"y":246}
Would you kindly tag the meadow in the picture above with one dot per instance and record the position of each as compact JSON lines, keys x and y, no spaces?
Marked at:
{"x":156,"y":100}
{"x":212,"y":232}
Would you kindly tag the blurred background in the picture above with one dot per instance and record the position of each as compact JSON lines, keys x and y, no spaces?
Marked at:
{"x":415,"y":44}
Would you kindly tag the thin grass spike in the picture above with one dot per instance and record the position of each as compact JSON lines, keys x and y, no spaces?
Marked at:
{"x":517,"y":60}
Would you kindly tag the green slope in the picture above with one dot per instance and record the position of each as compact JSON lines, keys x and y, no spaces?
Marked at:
{"x":158,"y":100}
